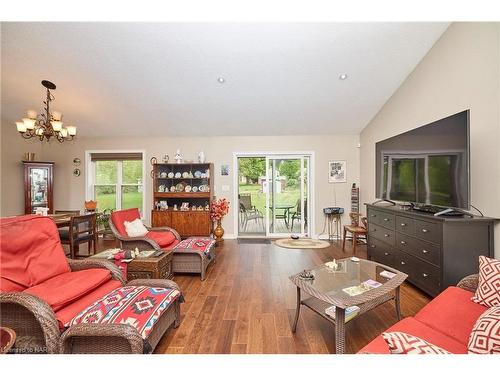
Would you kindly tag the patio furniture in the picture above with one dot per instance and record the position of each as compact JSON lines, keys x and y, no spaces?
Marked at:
{"x":193,"y":255}
{"x":82,"y":229}
{"x":246,"y":201}
{"x":42,"y":291}
{"x":446,"y":321}
{"x":253,"y":215}
{"x":329,"y":288}
{"x":158,"y":238}
{"x":356,"y":229}
{"x":297,"y":215}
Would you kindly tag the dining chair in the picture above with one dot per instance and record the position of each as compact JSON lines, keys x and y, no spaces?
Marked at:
{"x":82,"y":229}
{"x":357,"y":229}
{"x":247,"y":216}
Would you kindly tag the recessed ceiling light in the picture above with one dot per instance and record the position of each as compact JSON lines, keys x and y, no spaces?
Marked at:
{"x":221,"y":80}
{"x":343,"y":76}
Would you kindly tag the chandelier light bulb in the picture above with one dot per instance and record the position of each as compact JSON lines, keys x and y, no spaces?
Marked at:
{"x":29,"y":122}
{"x":39,"y":131}
{"x":71,"y":130}
{"x":64,"y":132}
{"x":56,"y":116}
{"x":21,"y":127}
{"x":56,"y":125}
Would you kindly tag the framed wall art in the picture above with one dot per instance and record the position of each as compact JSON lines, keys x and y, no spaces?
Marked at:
{"x":337,"y":171}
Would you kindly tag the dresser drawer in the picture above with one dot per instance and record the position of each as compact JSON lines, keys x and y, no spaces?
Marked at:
{"x":380,"y":233}
{"x":384,"y":219}
{"x":421,"y":249}
{"x":405,"y":225}
{"x":428,"y":231}
{"x":380,"y":252}
{"x":426,"y":276}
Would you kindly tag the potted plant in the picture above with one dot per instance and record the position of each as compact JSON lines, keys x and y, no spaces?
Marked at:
{"x":218,"y":210}
{"x":102,"y":222}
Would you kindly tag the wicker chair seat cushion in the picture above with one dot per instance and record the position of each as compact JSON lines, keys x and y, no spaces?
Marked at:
{"x":62,"y":289}
{"x":120,"y":217}
{"x":488,"y":290}
{"x":68,"y":312}
{"x":31,"y":252}
{"x":164,"y":239}
{"x":413,"y":327}
{"x":138,"y":306}
{"x":203,"y":245}
{"x":452,"y":313}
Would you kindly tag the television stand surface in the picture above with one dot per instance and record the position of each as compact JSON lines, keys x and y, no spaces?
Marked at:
{"x":440,"y":211}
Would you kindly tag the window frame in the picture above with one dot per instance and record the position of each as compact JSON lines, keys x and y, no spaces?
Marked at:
{"x":90,"y":177}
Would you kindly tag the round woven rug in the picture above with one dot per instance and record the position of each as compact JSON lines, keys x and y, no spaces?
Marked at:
{"x":302,"y":243}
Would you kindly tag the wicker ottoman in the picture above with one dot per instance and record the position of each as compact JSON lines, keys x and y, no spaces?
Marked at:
{"x":103,"y":337}
{"x":193,"y":255}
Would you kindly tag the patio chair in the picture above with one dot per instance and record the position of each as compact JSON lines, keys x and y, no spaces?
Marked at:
{"x":246,"y":201}
{"x":297,"y":215}
{"x":246,"y":216}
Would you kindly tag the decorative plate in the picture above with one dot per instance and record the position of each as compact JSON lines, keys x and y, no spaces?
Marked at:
{"x":197,"y":174}
{"x":178,"y":175}
{"x":172,"y":188}
{"x":76,"y":172}
{"x":187,"y":189}
{"x":195,"y":189}
{"x":202,"y":188}
{"x":170,"y":174}
{"x":163,"y":174}
{"x":179,"y":188}
{"x":185,"y":175}
{"x":203,"y":175}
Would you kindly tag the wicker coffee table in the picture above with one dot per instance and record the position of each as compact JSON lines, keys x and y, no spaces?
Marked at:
{"x":327,"y":289}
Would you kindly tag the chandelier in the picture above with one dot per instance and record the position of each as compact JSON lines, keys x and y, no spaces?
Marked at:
{"x":48,"y":124}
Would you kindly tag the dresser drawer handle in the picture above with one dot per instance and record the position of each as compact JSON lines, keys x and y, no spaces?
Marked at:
{"x":403,"y":224}
{"x":386,"y":235}
{"x":424,"y":275}
{"x":373,"y":215}
{"x":373,"y":246}
{"x":425,"y":230}
{"x":386,"y":254}
{"x":386,"y":219}
{"x":425,"y":251}
{"x":403,"y":242}
{"x":403,"y":263}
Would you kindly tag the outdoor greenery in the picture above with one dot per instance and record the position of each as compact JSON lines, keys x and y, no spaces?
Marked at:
{"x":252,"y":168}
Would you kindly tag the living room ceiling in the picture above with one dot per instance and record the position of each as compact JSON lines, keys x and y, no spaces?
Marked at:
{"x":158,"y":79}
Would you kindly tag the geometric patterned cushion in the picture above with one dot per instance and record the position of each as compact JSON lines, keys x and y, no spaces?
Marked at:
{"x":404,"y":343}
{"x":485,"y":336}
{"x":488,"y":290}
{"x":201,"y":244}
{"x":138,"y":306}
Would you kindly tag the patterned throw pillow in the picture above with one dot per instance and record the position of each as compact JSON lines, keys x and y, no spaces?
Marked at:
{"x":485,"y":336}
{"x":488,"y":290}
{"x":404,"y":343}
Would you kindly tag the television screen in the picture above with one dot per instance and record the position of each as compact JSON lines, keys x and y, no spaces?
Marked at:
{"x":428,"y":165}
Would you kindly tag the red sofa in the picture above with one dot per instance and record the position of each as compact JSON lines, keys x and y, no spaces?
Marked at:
{"x":446,"y":321}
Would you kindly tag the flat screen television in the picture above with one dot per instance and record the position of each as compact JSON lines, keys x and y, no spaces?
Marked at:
{"x":428,"y":165}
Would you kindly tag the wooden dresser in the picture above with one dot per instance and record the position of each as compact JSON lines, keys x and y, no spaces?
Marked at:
{"x":435,"y":252}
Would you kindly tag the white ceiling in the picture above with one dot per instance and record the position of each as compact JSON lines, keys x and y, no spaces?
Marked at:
{"x":161,"y":79}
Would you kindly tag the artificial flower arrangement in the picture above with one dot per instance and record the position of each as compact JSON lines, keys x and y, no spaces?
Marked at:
{"x":219,"y":209}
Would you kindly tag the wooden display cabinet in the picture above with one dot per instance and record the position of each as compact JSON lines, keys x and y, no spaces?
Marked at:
{"x":38,"y":186}
{"x":188,"y":183}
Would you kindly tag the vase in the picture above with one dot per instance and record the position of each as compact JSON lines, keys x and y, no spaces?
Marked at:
{"x":219,"y":232}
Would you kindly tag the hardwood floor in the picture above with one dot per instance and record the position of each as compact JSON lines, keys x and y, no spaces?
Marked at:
{"x":246,"y":305}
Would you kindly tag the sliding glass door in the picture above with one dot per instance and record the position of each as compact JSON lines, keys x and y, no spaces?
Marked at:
{"x":273,"y":195}
{"x":287,"y":195}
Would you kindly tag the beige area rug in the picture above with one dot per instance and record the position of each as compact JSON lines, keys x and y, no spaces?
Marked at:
{"x":302,"y":243}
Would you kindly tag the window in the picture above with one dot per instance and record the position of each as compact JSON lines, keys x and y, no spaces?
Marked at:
{"x":116,"y":181}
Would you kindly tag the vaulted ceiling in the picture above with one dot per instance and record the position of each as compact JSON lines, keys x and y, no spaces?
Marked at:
{"x":162,"y":78}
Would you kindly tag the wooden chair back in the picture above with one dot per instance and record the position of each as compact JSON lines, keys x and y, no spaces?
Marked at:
{"x":69,"y":212}
{"x":82,"y":224}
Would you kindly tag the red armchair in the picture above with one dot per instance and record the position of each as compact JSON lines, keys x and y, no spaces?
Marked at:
{"x":159,"y":238}
{"x":41,"y":291}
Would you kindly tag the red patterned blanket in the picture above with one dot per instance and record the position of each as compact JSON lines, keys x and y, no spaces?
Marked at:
{"x":138,"y":306}
{"x":202,"y":244}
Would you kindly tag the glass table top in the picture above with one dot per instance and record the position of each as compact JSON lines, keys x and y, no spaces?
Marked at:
{"x":350,"y":278}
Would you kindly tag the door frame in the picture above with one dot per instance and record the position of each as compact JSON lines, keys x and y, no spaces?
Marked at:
{"x":263,"y":154}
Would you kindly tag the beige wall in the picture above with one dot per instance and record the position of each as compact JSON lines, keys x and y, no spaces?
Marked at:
{"x":70,"y":190}
{"x":460,"y":72}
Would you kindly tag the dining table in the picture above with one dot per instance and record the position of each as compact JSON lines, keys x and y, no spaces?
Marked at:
{"x":61,"y":220}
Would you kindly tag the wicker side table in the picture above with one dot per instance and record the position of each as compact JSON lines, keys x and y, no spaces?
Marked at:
{"x":151,"y":268}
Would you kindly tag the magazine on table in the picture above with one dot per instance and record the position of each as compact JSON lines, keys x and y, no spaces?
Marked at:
{"x":362,"y":288}
{"x":350,"y":312}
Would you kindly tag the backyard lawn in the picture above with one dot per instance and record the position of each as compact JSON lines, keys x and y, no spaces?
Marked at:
{"x":130,"y":200}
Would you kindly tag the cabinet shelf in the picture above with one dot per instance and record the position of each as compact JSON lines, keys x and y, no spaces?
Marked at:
{"x":182,"y":195}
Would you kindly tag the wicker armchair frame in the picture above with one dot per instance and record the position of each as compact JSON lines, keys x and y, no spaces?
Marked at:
{"x":469,"y":283}
{"x":142,"y":243}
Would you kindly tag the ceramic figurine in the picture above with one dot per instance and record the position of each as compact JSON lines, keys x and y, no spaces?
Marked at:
{"x":178,"y":157}
{"x":175,"y":207}
{"x":165,"y":158}
{"x":201,"y":157}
